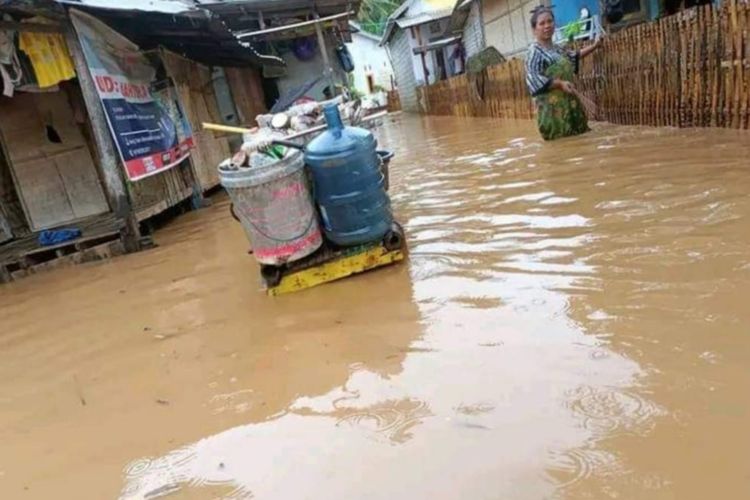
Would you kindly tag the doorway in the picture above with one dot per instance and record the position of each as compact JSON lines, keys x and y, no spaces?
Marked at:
{"x":51,"y":164}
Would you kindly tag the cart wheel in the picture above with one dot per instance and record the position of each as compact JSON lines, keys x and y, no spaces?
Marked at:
{"x":394,"y":239}
{"x":234,"y":214}
{"x":271,"y":275}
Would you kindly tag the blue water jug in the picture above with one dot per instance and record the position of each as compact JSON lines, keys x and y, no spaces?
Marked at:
{"x":347,"y":183}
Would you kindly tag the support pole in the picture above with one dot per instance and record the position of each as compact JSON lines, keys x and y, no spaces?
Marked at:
{"x":324,"y":52}
{"x":109,"y":159}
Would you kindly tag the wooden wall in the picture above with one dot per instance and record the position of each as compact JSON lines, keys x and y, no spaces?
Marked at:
{"x":14,"y":222}
{"x":247,"y":91}
{"x":153,"y":195}
{"x":686,"y":70}
{"x":149,"y":196}
{"x":53,"y":168}
{"x":195,"y":88}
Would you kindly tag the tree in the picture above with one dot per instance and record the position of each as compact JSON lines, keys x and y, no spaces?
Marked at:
{"x":373,"y":14}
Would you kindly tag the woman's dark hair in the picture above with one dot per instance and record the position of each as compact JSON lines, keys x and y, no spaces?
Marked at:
{"x":538,"y":11}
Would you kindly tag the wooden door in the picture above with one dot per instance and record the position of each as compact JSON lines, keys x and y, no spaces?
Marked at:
{"x":53,"y":168}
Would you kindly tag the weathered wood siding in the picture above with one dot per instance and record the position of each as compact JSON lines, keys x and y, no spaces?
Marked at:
{"x":196,"y":91}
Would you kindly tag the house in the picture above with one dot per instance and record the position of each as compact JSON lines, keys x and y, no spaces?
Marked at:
{"x":419,"y":51}
{"x":106,"y":151}
{"x":466,"y":22}
{"x":507,"y":23}
{"x":65,"y":158}
{"x":372,"y":74}
{"x":310,"y":37}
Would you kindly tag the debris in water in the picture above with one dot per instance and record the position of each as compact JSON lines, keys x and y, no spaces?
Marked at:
{"x":79,"y":391}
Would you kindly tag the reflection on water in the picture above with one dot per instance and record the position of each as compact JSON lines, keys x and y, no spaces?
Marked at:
{"x":571,"y":323}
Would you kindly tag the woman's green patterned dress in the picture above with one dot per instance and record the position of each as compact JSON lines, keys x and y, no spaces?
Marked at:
{"x":558,"y":114}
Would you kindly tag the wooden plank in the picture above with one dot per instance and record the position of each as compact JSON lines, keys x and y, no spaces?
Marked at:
{"x":6,"y":233}
{"x":43,"y":193}
{"x":100,"y":252}
{"x":247,"y":91}
{"x":77,"y":243}
{"x":78,"y":174}
{"x":193,"y":84}
{"x":113,"y":177}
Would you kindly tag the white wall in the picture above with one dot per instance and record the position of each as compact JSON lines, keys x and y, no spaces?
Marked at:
{"x":473,"y":38}
{"x":298,"y":72}
{"x":369,"y":59}
{"x":506,"y":25}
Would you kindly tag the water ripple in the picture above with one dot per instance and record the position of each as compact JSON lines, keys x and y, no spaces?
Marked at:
{"x":610,"y":411}
{"x":390,"y":419}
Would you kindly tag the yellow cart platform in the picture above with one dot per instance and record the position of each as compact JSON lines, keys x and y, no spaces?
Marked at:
{"x":331,"y":264}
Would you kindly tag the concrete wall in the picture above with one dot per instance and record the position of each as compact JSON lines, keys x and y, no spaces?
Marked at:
{"x":403,"y":68}
{"x":298,"y":72}
{"x":506,"y":25}
{"x":473,"y":36}
{"x":369,"y":59}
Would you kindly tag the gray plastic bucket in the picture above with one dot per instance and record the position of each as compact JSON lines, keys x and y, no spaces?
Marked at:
{"x":274,"y":206}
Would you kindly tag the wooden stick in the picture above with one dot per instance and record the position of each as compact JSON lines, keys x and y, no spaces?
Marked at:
{"x":243,"y":130}
{"x":276,"y":29}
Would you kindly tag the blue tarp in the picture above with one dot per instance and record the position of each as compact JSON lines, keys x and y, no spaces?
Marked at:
{"x":57,"y":236}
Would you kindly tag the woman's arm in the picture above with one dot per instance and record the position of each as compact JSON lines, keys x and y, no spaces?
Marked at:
{"x":537,"y":82}
{"x":590,"y":48}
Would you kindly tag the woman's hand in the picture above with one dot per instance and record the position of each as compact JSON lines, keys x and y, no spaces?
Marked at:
{"x":565,"y":86}
{"x":599,"y":40}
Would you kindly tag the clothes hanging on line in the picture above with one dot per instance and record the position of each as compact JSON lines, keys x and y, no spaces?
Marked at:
{"x":49,"y":57}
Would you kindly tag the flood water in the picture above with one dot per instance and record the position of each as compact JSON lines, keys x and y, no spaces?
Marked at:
{"x":572,"y":323}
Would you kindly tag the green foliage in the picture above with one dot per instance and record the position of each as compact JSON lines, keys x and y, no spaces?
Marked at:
{"x":572,"y":29}
{"x":373,"y":14}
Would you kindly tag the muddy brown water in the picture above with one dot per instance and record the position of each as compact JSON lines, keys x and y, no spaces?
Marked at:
{"x":573,"y":323}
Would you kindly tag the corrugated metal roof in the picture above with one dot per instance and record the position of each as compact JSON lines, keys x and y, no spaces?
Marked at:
{"x":282,"y":8}
{"x":437,"y":44}
{"x":194,"y":35}
{"x":160,"y":6}
{"x":415,"y":12}
{"x":424,"y":17}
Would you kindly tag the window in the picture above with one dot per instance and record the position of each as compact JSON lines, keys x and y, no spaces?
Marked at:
{"x":370,"y":84}
{"x":435,"y":28}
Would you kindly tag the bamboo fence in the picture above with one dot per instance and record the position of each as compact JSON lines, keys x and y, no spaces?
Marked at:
{"x":691,"y":69}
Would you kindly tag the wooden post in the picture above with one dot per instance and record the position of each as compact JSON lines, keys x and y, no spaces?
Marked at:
{"x":109,"y":159}
{"x":324,"y":52}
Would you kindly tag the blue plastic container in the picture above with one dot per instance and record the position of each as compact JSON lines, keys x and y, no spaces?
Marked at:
{"x":347,"y":183}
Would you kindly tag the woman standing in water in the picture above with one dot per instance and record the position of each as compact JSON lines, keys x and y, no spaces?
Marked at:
{"x":549,"y":70}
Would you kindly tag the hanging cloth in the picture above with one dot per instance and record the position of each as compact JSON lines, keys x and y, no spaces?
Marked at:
{"x":10,"y":67}
{"x":49,"y":56}
{"x":7,"y":47}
